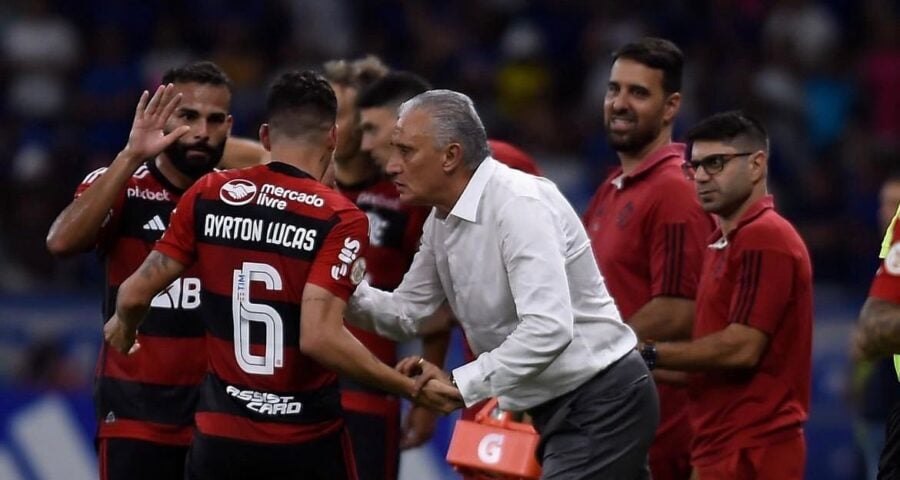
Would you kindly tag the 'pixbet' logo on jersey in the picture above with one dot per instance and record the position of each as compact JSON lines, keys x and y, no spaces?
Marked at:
{"x":348,"y":262}
{"x":490,"y":448}
{"x":237,"y":192}
{"x":147,"y":194}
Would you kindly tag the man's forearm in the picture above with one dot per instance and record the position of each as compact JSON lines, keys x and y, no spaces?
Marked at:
{"x":663,"y":319}
{"x":76,"y":228}
{"x":879,"y":328}
{"x":718,"y":351}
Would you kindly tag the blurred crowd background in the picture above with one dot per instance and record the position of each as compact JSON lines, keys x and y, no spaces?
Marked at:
{"x":823,"y":75}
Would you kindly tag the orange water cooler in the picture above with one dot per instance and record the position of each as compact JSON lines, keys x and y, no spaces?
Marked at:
{"x":494,"y":446}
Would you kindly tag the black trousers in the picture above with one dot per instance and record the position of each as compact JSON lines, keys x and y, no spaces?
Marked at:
{"x":602,"y":429}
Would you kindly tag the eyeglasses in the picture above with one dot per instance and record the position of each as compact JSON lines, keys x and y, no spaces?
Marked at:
{"x":712,"y":164}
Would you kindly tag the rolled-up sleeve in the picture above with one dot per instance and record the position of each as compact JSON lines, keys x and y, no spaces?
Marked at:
{"x":397,"y":314}
{"x":532,"y":246}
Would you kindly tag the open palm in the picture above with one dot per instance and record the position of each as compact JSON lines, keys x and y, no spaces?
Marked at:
{"x":147,"y":138}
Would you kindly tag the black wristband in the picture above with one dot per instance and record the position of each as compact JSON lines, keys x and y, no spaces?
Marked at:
{"x":648,"y":353}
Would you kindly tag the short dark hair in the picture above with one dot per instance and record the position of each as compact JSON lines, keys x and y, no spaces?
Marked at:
{"x":392,"y":89}
{"x":658,"y":54}
{"x":357,"y":73}
{"x":203,"y":72}
{"x":732,"y":126}
{"x":300,"y":103}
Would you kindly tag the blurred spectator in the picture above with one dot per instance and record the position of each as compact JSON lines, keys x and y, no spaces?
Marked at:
{"x":40,"y":48}
{"x":45,"y":366}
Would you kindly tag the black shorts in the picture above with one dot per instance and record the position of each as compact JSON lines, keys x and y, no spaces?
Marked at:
{"x":327,"y":458}
{"x":889,"y":463}
{"x":376,"y":444}
{"x":130,"y":459}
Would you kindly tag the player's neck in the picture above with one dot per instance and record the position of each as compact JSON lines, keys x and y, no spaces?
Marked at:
{"x":310,"y":159}
{"x":172,"y":174}
{"x":446,"y":199}
{"x":356,"y":170}
{"x":728,"y":222}
{"x":631,"y":160}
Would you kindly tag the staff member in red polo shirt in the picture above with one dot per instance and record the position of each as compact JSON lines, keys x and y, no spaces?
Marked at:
{"x":647,"y":229}
{"x":878,"y":335}
{"x":750,"y":356}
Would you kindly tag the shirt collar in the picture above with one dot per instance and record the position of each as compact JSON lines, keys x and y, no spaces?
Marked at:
{"x":161,"y":178}
{"x":466,"y":207}
{"x":759,"y":207}
{"x":656,"y":158}
{"x":289,"y":170}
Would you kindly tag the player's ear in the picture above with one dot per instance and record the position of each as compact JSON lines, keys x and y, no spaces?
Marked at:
{"x":264,"y":138}
{"x":759,"y":163}
{"x":453,"y":157}
{"x":332,"y":137}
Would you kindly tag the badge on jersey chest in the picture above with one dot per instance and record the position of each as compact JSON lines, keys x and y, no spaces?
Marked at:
{"x":625,"y":215}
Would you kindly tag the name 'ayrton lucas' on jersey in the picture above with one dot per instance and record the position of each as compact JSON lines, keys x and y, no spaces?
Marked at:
{"x":259,"y":230}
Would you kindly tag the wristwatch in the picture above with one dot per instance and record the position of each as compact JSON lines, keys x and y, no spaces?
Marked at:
{"x":648,"y":352}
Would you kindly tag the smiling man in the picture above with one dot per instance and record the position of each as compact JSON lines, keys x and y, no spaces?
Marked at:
{"x":646,"y":227}
{"x":750,"y":356}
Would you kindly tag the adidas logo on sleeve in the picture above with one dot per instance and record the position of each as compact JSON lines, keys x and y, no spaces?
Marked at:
{"x":155,"y":224}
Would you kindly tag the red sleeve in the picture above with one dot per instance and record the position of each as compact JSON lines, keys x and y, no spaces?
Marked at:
{"x":886,"y":285}
{"x":340,"y":264}
{"x":180,"y":240}
{"x":763,"y":289}
{"x":679,"y":231}
{"x":115,"y":213}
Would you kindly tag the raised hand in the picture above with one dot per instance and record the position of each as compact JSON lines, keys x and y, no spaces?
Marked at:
{"x":120,"y":336}
{"x":147,"y":138}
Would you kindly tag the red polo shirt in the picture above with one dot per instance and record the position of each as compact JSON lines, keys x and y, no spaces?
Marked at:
{"x":759,"y":275}
{"x":648,"y":233}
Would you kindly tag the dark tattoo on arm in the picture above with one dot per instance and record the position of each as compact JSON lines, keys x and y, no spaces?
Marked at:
{"x":155,"y":264}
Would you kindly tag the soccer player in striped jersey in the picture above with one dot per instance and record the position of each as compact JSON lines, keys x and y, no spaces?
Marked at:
{"x":278,"y":254}
{"x":145,"y":403}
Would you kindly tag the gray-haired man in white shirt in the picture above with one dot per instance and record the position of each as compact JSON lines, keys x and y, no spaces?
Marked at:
{"x":511,"y":257}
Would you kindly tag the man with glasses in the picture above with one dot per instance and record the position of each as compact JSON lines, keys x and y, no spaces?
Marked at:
{"x":646,"y":227}
{"x":750,"y":355}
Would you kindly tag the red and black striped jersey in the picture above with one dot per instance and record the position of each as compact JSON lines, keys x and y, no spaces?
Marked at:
{"x":394,"y":232}
{"x":150,"y":395}
{"x":257,"y":236}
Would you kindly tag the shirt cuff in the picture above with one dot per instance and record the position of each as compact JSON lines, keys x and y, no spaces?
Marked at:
{"x":471,"y":383}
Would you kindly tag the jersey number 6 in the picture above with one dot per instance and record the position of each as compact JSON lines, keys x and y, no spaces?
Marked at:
{"x":244,"y":311}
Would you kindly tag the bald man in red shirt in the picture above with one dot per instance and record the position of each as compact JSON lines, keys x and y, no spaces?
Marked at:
{"x":750,"y":357}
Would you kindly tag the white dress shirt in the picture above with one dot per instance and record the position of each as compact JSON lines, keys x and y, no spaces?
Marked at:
{"x":515,"y":264}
